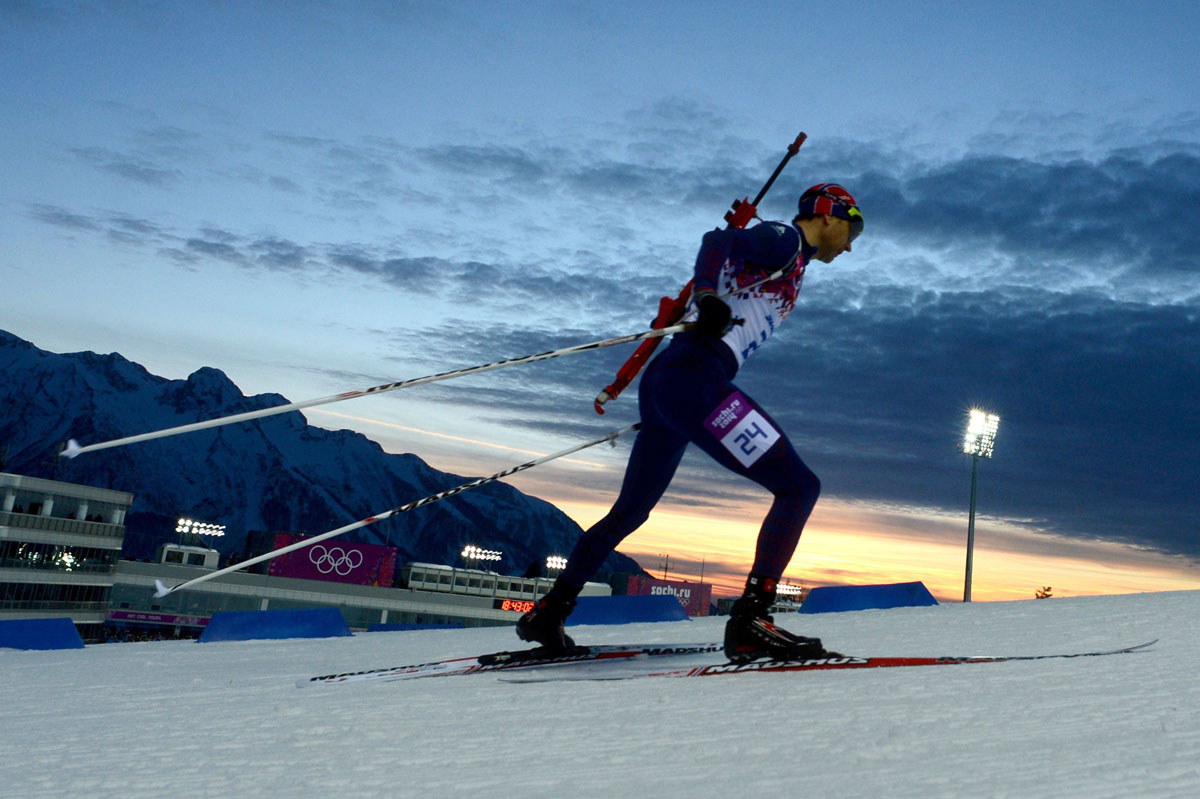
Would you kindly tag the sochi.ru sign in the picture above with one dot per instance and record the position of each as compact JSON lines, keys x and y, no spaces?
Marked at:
{"x":336,"y":561}
{"x":695,"y":597}
{"x":157,"y":618}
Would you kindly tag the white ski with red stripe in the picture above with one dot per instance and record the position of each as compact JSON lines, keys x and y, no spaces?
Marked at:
{"x":631,"y":669}
{"x":509,"y":661}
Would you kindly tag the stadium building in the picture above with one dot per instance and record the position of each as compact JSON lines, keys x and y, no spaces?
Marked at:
{"x":427,"y":595}
{"x":59,"y":548}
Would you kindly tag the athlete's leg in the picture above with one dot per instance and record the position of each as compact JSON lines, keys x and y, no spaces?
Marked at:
{"x":775,"y":465}
{"x":745,"y":439}
{"x":736,"y":432}
{"x":656,"y":453}
{"x":652,"y":463}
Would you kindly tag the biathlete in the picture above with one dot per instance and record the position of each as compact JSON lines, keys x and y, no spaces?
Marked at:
{"x":687,"y":395}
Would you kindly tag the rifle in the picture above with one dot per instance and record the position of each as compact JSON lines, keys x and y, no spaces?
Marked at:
{"x":670,"y":311}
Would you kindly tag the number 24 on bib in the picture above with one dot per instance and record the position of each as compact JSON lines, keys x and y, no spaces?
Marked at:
{"x":741,"y":429}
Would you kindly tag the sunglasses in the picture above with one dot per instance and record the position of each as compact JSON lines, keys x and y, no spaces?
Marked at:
{"x":856,"y":222}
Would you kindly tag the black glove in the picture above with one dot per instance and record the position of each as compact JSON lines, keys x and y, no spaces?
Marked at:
{"x":715,"y":316}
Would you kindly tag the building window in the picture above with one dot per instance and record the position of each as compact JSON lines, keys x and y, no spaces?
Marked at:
{"x":55,"y":557}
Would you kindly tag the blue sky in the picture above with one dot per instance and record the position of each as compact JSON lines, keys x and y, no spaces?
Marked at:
{"x":315,"y":197}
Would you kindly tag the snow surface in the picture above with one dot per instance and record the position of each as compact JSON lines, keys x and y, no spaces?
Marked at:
{"x":181,"y":719}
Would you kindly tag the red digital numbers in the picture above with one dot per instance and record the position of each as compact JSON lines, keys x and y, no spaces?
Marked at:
{"x":516,"y":605}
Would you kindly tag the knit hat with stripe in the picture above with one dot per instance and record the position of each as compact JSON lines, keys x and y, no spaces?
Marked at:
{"x":834,"y":200}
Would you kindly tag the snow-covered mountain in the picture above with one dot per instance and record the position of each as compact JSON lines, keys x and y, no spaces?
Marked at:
{"x":273,"y":474}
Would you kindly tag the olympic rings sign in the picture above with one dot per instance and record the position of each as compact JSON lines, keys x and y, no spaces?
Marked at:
{"x":335,"y":559}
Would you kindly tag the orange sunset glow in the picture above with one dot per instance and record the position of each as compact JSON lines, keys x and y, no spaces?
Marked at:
{"x":853,"y":543}
{"x":844,"y":542}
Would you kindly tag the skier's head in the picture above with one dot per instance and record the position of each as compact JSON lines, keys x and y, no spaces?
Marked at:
{"x":834,"y":200}
{"x":826,"y":202}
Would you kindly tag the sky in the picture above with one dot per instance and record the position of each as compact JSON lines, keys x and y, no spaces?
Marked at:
{"x":318,"y":197}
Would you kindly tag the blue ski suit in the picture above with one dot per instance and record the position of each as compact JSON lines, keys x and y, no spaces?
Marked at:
{"x":687,"y":395}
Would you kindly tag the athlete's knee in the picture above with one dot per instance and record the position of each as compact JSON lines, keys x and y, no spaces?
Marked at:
{"x":814,"y":484}
{"x":627,"y":519}
{"x":803,"y":484}
{"x":616,"y":524}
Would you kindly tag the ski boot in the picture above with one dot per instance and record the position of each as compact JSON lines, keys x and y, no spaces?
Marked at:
{"x":750,"y":633}
{"x":544,"y":624}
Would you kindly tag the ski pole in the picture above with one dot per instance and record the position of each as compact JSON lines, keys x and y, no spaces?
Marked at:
{"x":162,"y":590}
{"x":73,"y":447}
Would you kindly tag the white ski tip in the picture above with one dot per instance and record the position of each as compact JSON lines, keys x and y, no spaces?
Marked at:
{"x":72,"y":449}
{"x":161,"y":589}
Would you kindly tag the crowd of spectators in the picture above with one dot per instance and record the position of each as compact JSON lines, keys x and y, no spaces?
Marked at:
{"x":35,"y":509}
{"x":124,"y":633}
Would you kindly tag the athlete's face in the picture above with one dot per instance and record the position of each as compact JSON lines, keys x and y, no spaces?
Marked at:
{"x":834,"y":240}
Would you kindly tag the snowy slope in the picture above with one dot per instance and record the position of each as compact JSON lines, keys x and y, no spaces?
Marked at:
{"x":176,"y":719}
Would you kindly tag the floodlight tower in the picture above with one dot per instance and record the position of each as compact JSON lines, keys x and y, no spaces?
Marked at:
{"x":978,"y":443}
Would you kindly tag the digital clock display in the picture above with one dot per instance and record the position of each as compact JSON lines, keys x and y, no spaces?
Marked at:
{"x":515,"y":605}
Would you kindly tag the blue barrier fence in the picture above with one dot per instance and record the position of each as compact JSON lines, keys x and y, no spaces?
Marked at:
{"x":837,"y":598}
{"x":39,"y":634}
{"x":246,"y":625}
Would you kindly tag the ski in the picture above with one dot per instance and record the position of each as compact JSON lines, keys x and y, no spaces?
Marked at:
{"x":507,"y":661}
{"x":628,"y":670}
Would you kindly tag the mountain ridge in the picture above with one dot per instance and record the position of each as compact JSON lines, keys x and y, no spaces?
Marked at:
{"x":278,"y":473}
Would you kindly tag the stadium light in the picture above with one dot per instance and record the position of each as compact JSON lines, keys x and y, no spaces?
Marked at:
{"x":555,"y":563}
{"x":471,"y":552}
{"x":978,"y":442}
{"x":789,"y":592}
{"x":193,"y":527}
{"x":980,"y":437}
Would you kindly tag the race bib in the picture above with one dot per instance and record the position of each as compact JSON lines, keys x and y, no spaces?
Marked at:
{"x":741,"y":429}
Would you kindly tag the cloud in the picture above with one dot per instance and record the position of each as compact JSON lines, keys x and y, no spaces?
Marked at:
{"x":119,"y":227}
{"x":877,"y":396}
{"x":494,"y":162}
{"x":1123,"y":223}
{"x":1111,"y":211}
{"x":131,"y":167}
{"x":274,"y":252}
{"x":171,"y":142}
{"x":347,"y":175}
{"x":135,"y":226}
{"x":874,"y":397}
{"x":219,"y":250}
{"x":1117,"y":214}
{"x":285,"y":185}
{"x":418,"y":275}
{"x":300,"y":141}
{"x":1052,"y":283}
{"x":61,"y":217}
{"x":134,"y":232}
